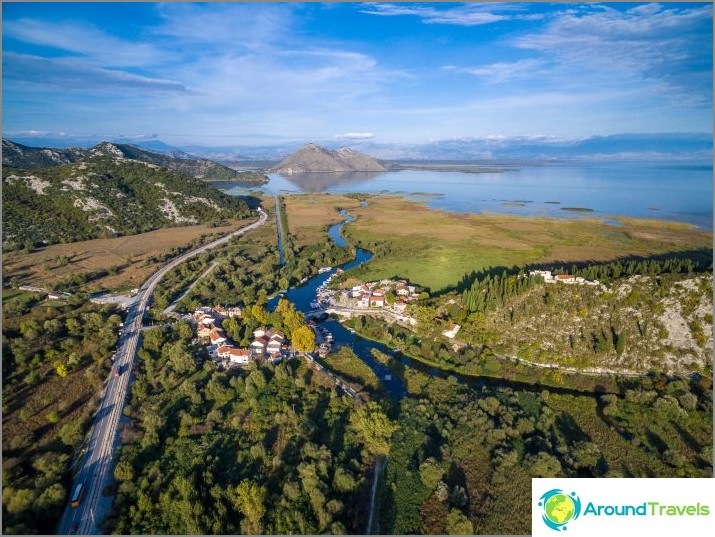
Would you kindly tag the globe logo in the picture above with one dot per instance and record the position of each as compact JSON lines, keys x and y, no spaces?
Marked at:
{"x":559,"y":508}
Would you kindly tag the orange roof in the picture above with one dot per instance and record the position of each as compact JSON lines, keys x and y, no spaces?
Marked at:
{"x":564,"y":276}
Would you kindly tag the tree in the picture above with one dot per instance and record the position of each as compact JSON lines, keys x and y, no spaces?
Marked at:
{"x":304,"y":339}
{"x":545,"y":465}
{"x":51,"y":499}
{"x":458,"y":524}
{"x":259,"y":313}
{"x":21,"y":500}
{"x":61,"y":369}
{"x":430,"y":473}
{"x":124,"y":471}
{"x":373,"y":428}
{"x":249,"y":499}
{"x":185,"y":331}
{"x":586,"y":455}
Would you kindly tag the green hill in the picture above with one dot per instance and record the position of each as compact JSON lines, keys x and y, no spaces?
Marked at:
{"x":104,"y":196}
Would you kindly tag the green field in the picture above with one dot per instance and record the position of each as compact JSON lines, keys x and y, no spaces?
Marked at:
{"x":436,"y":248}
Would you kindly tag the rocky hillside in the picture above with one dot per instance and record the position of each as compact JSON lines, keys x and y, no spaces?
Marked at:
{"x":313,"y":158}
{"x":24,"y":157}
{"x":103,"y":196}
{"x":21,"y":156}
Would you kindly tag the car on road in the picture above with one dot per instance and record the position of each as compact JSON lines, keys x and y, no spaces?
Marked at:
{"x":117,"y":371}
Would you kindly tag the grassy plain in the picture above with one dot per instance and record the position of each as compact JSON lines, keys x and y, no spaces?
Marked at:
{"x":436,"y":248}
{"x":128,"y":255}
{"x":309,"y":215}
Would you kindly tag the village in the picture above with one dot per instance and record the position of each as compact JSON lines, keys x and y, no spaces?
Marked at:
{"x":268,"y":344}
{"x":390,"y":297}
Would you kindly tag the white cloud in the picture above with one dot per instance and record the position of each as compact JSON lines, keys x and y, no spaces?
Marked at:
{"x":475,"y":14}
{"x":78,"y":75}
{"x":355,"y":136}
{"x":86,"y":40}
{"x":503,"y":71}
{"x":673,"y":46}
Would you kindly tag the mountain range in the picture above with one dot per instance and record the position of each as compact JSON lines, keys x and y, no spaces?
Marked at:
{"x":628,"y":146}
{"x":16,"y":155}
{"x":312,"y":158}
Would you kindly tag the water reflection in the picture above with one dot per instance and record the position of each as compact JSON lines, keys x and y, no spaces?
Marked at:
{"x":320,"y":182}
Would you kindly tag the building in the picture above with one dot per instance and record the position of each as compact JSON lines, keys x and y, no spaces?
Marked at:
{"x":204,"y":330}
{"x":566,"y":278}
{"x":205,"y":318}
{"x":52,"y":295}
{"x":259,"y":332}
{"x":217,"y":336}
{"x":259,"y":345}
{"x":377,"y":301}
{"x":452,"y":331}
{"x":239,"y":356}
{"x":399,"y":306}
{"x":231,"y":311}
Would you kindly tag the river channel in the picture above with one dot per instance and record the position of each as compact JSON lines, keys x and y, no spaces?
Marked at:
{"x":303,"y":295}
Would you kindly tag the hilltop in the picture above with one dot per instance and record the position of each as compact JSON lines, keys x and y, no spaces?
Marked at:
{"x":102,"y":196}
{"x":314,"y":158}
{"x":16,"y":155}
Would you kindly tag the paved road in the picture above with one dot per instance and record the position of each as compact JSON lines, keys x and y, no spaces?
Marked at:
{"x":96,"y":468}
{"x":170,"y":309}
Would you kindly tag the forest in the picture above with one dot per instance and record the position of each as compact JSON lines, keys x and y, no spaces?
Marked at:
{"x":55,"y":358}
{"x":268,"y":449}
{"x":462,"y":458}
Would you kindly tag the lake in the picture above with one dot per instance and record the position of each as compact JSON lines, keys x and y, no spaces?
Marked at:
{"x":679,"y":191}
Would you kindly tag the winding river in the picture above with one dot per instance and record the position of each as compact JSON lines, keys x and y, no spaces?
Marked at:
{"x":303,"y":295}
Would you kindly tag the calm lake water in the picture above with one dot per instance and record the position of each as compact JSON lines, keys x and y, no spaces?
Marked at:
{"x":671,"y":191}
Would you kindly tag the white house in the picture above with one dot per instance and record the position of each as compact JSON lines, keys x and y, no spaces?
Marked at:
{"x":452,"y":331}
{"x":566,"y":278}
{"x":364,"y":301}
{"x":217,"y":337}
{"x":224,"y":351}
{"x":377,"y":301}
{"x":403,"y":291}
{"x":259,"y":332}
{"x":399,"y":306}
{"x":273,"y":346}
{"x":239,"y":356}
{"x":546,"y":274}
{"x":259,"y":345}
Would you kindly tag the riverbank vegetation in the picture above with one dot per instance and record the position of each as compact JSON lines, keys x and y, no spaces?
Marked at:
{"x":55,"y":357}
{"x":268,"y":449}
{"x":462,"y":459}
{"x":347,"y":365}
{"x":248,"y":268}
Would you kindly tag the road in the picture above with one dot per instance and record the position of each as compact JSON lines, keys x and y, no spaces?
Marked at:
{"x":96,"y":468}
{"x":379,"y":465}
{"x":170,"y":308}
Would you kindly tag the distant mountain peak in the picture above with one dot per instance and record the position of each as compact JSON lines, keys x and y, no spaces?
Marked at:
{"x":20,"y":156}
{"x":314,"y":158}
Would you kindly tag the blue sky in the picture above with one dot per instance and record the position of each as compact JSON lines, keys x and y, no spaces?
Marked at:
{"x":232,"y":73}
